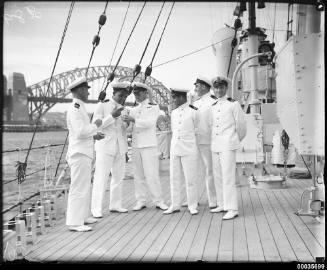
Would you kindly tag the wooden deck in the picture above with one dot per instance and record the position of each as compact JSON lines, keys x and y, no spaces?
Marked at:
{"x":267,"y":230}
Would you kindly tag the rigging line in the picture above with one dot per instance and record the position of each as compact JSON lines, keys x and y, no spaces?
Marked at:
{"x":171,"y":9}
{"x":180,"y":57}
{"x":136,"y":72}
{"x":129,"y":36}
{"x":120,"y":31}
{"x":108,"y":81}
{"x":121,"y":28}
{"x":147,"y":44}
{"x":21,"y":166}
{"x":62,"y":151}
{"x":95,"y":42}
{"x":274,"y":23}
{"x":61,"y":42}
{"x":33,"y":148}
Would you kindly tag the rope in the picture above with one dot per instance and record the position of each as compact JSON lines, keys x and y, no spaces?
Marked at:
{"x":120,"y":31}
{"x":274,"y":23}
{"x":20,"y":202}
{"x":21,"y":167}
{"x":138,"y":67}
{"x":237,"y":25}
{"x":61,"y":42}
{"x":188,"y":54}
{"x":162,"y":33}
{"x":111,"y":76}
{"x":96,"y":38}
{"x":12,"y":180}
{"x":33,"y":148}
{"x":62,"y":151}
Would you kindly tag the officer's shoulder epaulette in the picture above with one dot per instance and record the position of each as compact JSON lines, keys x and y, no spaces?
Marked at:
{"x":213,"y":96}
{"x":76,"y":105}
{"x":230,"y":99}
{"x":151,"y":103}
{"x":193,"y":107}
{"x":215,"y":103}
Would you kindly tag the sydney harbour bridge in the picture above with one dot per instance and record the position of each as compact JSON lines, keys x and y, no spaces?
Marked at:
{"x":41,"y":99}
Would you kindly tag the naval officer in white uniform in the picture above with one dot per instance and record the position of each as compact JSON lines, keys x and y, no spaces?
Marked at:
{"x":204,"y":103}
{"x":228,"y":125}
{"x":183,"y":152}
{"x":145,"y":154}
{"x":111,"y":151}
{"x":79,"y":157}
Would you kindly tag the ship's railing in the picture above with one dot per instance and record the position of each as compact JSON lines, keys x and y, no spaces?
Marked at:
{"x":38,"y":210}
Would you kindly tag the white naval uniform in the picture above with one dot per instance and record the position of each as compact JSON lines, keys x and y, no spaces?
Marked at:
{"x":203,"y":136}
{"x":145,"y":154}
{"x":227,"y":121}
{"x":79,"y":157}
{"x":110,"y":156}
{"x":183,"y":156}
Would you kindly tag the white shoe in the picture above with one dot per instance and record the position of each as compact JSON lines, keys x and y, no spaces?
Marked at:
{"x":162,"y":206}
{"x":217,"y":210}
{"x":118,"y":210}
{"x":80,"y":228}
{"x":230,"y":214}
{"x":90,"y":220}
{"x":171,"y":210}
{"x":97,"y":216}
{"x":194,"y":212}
{"x":185,"y":204}
{"x":139,"y":206}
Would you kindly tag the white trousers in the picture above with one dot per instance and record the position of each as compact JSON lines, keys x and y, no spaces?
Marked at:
{"x":78,"y":206}
{"x":105,"y":163}
{"x":224,"y":166}
{"x":183,"y":167}
{"x":205,"y":169}
{"x":146,"y":173}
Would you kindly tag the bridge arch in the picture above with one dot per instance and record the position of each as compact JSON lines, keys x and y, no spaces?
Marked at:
{"x":40,"y":101}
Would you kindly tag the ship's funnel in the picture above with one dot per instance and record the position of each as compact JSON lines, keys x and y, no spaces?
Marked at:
{"x":222,"y":48}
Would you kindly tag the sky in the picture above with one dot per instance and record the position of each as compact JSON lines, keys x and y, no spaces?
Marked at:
{"x":33,"y":30}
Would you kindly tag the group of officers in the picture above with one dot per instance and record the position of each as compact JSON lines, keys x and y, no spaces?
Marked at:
{"x":205,"y":137}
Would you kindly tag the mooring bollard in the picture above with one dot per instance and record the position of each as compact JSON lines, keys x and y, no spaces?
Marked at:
{"x":30,"y":220}
{"x":19,"y":227}
{"x":39,"y":216}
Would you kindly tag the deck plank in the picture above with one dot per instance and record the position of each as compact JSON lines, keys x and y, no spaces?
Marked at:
{"x":136,"y":250}
{"x":200,"y":238}
{"x":240,"y":246}
{"x":266,"y":230}
{"x":285,"y":249}
{"x":134,"y":234}
{"x":66,"y":240}
{"x":252,"y":234}
{"x":153,"y":252}
{"x":310,"y":241}
{"x":294,"y":238}
{"x":267,"y":240}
